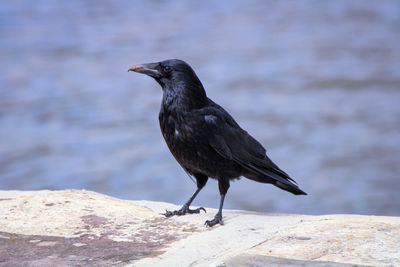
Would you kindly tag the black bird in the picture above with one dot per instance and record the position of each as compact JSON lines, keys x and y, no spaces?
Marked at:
{"x":204,"y":139}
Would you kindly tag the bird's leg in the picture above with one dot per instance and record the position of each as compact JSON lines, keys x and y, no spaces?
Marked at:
{"x":223,"y":185}
{"x":201,"y":182}
{"x":185,"y":208}
{"x":218,"y":217}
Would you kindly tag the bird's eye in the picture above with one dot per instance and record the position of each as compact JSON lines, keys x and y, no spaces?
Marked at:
{"x":166,"y":68}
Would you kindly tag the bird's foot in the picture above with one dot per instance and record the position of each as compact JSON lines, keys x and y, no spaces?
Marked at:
{"x":217,"y":220}
{"x":184,"y":210}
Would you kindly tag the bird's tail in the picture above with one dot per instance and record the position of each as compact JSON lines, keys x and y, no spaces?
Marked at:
{"x":294,"y":189}
{"x":273,"y":175}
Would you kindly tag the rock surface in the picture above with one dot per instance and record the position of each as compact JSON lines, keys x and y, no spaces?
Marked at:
{"x":64,"y":228}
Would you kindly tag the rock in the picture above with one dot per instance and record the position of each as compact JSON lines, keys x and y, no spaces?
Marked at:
{"x":64,"y":228}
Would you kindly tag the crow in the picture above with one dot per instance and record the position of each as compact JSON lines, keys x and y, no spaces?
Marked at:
{"x":205,"y":140}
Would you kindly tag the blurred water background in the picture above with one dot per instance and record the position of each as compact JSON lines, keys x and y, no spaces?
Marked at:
{"x":316,"y":82}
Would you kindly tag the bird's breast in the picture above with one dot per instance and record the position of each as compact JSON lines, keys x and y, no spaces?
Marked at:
{"x":184,"y":138}
{"x":187,"y":139}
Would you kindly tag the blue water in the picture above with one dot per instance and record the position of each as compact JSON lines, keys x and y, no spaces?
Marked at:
{"x":317,"y":82}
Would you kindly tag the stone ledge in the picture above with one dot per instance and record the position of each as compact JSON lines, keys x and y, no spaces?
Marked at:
{"x":64,"y":228}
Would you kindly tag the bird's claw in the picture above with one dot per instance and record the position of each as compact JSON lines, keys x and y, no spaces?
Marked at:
{"x":168,"y":213}
{"x":184,"y":210}
{"x":199,"y":209}
{"x":217,"y":220}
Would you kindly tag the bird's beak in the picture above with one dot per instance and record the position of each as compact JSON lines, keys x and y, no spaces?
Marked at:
{"x":148,"y":69}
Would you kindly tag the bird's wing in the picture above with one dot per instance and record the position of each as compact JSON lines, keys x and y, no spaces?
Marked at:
{"x":224,"y":127}
{"x":232,"y":142}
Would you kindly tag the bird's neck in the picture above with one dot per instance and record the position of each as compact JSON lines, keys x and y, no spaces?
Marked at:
{"x":184,"y":96}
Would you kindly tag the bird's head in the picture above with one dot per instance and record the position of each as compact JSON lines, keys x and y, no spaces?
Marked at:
{"x":177,"y":79}
{"x":167,"y":72}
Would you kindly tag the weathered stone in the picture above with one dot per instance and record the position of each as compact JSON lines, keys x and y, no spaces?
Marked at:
{"x":64,"y":228}
{"x":262,"y":261}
